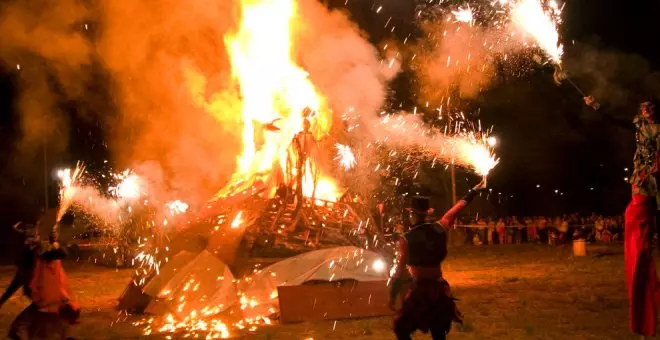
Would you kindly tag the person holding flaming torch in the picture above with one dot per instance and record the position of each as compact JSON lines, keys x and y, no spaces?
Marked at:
{"x":641,"y":218}
{"x":44,"y":282}
{"x":429,"y":305}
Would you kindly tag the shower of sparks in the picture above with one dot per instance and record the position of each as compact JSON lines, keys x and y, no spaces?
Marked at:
{"x":129,"y":186}
{"x":345,"y":156}
{"x":68,"y":188}
{"x":541,"y":24}
{"x":464,"y":15}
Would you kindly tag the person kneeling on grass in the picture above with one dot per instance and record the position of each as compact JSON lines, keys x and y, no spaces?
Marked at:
{"x":44,"y":282}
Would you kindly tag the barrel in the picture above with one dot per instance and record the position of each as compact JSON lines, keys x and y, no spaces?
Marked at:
{"x":580,"y":248}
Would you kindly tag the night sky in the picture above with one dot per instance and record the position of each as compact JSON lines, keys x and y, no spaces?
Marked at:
{"x":548,"y":137}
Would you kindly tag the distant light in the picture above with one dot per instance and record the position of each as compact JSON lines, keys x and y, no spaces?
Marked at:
{"x":18,"y":67}
{"x":492,"y":141}
{"x":556,"y":191}
{"x":625,"y":169}
{"x":378,"y":265}
{"x":625,"y":179}
{"x":538,"y":185}
{"x":592,"y":189}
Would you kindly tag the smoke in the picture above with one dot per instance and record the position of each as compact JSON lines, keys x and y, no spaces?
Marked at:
{"x":42,"y":41}
{"x":457,"y":59}
{"x":171,"y":78}
{"x":341,"y":63}
{"x":178,"y":122}
{"x":615,"y":78}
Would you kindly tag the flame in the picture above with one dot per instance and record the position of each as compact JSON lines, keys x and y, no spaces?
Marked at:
{"x":275,"y":93}
{"x":481,"y":157}
{"x":541,"y":24}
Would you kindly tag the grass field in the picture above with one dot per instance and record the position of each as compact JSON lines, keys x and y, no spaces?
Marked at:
{"x":505,"y":292}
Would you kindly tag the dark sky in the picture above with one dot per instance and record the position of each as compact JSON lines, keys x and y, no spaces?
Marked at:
{"x":547,"y":136}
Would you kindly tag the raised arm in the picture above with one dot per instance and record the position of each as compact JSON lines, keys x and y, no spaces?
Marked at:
{"x":447,"y":220}
{"x":620,"y":122}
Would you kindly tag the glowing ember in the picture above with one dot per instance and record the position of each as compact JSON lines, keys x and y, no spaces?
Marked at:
{"x":541,"y":24}
{"x":177,"y":207}
{"x":345,"y":156}
{"x":464,"y":15}
{"x":378,"y":265}
{"x":237,"y":220}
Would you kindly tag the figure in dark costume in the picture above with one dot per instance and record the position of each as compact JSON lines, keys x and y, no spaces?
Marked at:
{"x":642,"y":219}
{"x":43,"y":280}
{"x":429,"y":305}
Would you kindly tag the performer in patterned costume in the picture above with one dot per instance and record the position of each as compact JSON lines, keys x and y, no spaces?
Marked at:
{"x":642,"y":219}
{"x":429,"y":305}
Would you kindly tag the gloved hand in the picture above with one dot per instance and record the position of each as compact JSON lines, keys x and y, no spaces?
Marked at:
{"x":482,"y":186}
{"x":591,"y":101}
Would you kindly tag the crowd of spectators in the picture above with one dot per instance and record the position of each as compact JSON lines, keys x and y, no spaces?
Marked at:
{"x":541,"y":229}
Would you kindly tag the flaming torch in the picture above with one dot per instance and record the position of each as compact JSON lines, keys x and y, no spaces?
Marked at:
{"x":68,"y":188}
{"x":541,"y":24}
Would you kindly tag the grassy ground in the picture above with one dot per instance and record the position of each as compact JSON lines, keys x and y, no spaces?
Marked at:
{"x":505,"y":292}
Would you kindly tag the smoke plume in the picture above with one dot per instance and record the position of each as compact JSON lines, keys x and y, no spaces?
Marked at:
{"x":42,"y":40}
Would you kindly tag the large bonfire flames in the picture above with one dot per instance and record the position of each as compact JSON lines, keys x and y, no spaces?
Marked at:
{"x":277,"y":94}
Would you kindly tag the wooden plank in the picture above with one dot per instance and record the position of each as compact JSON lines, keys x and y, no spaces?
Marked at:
{"x":328,"y":301}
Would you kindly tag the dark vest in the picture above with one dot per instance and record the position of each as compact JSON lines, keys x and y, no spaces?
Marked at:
{"x":427,"y":245}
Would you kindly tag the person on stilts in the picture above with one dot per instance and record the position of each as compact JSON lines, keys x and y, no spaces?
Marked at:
{"x":429,"y":305}
{"x":641,"y":220}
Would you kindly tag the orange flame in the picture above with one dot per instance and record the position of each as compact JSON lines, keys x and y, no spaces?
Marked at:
{"x":274,"y":90}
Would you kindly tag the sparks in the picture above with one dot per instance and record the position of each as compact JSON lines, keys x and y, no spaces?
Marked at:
{"x":177,"y":207}
{"x":464,"y":15}
{"x":68,"y":187}
{"x":345,"y":156}
{"x":540,"y":24}
{"x":129,"y":186}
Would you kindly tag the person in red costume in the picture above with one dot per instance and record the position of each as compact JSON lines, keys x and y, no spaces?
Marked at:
{"x":641,"y":219}
{"x":429,"y":305}
{"x":44,"y":282}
